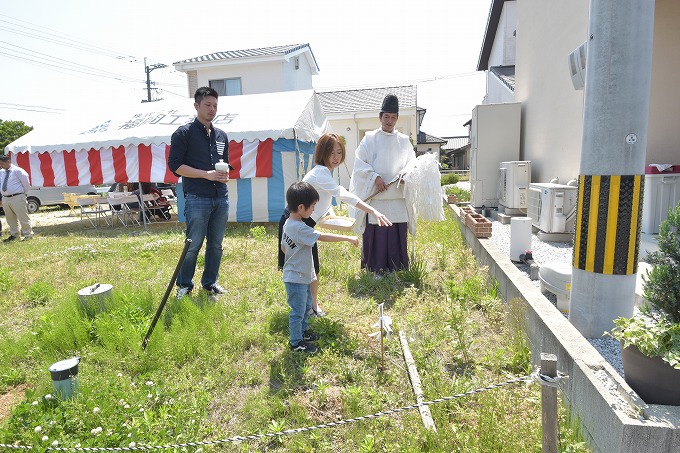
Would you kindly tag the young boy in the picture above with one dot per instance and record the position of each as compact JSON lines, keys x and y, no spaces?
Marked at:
{"x":298,"y":268}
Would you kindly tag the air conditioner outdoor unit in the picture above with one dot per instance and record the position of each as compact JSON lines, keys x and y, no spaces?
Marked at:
{"x":552,"y":207}
{"x":513,"y":183}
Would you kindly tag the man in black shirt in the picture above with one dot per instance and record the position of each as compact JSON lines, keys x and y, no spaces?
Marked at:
{"x":195,"y":148}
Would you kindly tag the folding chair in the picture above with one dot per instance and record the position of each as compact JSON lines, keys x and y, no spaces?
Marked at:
{"x":92,"y":211}
{"x":117,"y":210}
{"x":70,"y":200}
{"x":131,"y":209}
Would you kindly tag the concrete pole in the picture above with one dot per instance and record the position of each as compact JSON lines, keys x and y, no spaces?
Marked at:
{"x":611,"y":180}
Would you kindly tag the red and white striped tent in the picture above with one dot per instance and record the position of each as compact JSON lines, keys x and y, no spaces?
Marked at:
{"x":271,"y":145}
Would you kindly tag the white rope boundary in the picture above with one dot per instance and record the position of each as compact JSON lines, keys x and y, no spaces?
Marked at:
{"x":534,"y":377}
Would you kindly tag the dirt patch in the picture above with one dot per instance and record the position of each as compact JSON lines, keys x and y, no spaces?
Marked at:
{"x":9,"y":399}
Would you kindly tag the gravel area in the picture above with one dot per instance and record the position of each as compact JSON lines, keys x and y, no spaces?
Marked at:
{"x":547,"y":252}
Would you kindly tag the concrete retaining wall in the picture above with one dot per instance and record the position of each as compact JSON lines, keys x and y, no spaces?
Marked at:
{"x":613,"y":417}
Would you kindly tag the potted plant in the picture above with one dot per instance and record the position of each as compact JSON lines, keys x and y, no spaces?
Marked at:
{"x":651,"y":338}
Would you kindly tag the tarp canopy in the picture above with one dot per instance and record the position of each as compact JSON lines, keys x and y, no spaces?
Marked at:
{"x":130,"y":143}
{"x":271,"y":144}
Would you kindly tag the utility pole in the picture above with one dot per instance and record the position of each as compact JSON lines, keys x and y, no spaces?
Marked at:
{"x":148,"y":70}
{"x":611,"y":180}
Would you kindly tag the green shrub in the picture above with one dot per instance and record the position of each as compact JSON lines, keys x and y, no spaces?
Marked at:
{"x":449,"y":178}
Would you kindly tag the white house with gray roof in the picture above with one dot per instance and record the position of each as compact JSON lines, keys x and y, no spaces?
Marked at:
{"x":252,"y":71}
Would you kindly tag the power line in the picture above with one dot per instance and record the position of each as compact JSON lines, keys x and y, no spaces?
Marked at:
{"x":399,"y":82}
{"x":32,"y":106}
{"x":60,"y":62}
{"x":52,"y":66}
{"x":30,"y":110}
{"x":64,"y":39}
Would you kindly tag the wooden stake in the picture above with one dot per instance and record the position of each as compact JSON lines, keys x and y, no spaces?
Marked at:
{"x":549,"y":405}
{"x":382,"y":340}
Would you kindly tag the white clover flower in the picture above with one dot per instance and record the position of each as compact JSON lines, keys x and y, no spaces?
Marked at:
{"x":120,"y":374}
{"x":141,"y":409}
{"x":133,"y":444}
{"x":132,"y":384}
{"x":45,"y":438}
{"x":55,"y":443}
{"x":121,"y":402}
{"x":149,"y":395}
{"x":127,"y":406}
{"x":34,"y":403}
{"x":48,"y":396}
{"x":96,"y":431}
{"x":149,"y":383}
{"x":38,"y":429}
{"x":95,"y":410}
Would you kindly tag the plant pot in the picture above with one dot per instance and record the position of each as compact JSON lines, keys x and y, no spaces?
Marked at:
{"x":653,"y":379}
{"x":452,"y":199}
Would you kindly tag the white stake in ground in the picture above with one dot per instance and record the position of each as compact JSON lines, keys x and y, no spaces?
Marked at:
{"x":384,"y":324}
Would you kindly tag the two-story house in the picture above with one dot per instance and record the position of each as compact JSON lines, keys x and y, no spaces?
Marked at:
{"x":252,"y":71}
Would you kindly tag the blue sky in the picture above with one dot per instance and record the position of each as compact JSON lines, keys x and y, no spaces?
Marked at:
{"x":75,"y":55}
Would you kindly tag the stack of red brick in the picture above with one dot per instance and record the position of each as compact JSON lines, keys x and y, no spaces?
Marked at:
{"x":480,"y":225}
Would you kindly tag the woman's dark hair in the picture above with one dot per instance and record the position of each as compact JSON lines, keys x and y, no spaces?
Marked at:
{"x":324,"y":148}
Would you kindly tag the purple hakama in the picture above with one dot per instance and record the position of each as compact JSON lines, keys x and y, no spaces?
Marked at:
{"x":384,"y":248}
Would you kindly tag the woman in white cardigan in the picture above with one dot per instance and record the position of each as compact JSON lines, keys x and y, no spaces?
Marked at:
{"x":328,"y":155}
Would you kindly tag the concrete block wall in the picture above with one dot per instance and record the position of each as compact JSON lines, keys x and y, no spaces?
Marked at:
{"x":612,"y":416}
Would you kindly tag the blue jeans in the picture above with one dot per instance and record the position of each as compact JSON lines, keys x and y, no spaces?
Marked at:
{"x":299,"y":297}
{"x":206,"y":218}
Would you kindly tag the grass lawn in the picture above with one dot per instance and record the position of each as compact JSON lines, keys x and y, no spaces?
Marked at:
{"x":215,"y":369}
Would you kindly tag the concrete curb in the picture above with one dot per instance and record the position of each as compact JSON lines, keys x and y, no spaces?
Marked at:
{"x":613,"y":418}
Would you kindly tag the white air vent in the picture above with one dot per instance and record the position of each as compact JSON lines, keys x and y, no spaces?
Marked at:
{"x":577,"y":66}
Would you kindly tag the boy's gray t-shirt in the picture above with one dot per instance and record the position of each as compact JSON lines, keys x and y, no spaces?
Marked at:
{"x":297,"y":241}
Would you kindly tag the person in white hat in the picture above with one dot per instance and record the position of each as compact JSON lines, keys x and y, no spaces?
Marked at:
{"x":381,"y":159}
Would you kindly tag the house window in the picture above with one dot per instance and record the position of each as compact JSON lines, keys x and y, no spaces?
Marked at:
{"x":227,"y":87}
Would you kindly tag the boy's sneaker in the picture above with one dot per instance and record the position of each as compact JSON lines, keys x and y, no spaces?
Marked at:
{"x":308,"y":335}
{"x":303,"y":346}
{"x":183,"y":291}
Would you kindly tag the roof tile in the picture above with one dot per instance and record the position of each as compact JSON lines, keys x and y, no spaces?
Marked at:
{"x":366,"y":100}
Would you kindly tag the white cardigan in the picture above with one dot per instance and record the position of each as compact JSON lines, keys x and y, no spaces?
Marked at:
{"x":321,"y":178}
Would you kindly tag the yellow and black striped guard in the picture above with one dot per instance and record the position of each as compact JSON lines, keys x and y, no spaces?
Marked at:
{"x":608,"y":223}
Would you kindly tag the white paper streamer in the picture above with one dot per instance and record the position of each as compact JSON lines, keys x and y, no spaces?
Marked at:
{"x":424,"y":187}
{"x":386,"y":324}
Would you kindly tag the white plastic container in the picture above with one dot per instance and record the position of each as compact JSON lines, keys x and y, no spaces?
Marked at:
{"x":222,"y":166}
{"x":556,"y":278}
{"x":520,"y":237}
